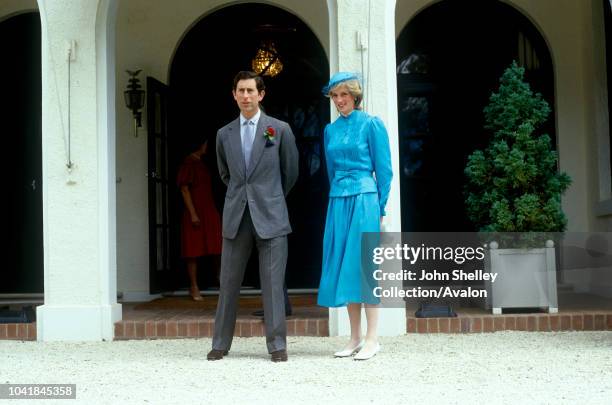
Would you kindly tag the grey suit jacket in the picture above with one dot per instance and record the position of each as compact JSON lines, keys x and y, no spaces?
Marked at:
{"x":272,"y":173}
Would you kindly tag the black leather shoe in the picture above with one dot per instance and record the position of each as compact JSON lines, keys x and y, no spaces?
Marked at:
{"x":278,"y":356}
{"x":215,"y":354}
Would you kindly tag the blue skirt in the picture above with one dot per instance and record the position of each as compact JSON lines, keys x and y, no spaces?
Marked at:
{"x":346,"y":277}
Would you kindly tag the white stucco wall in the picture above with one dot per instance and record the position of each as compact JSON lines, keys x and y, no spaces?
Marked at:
{"x":78,"y":203}
{"x":574,"y":37}
{"x":148,"y":33}
{"x":70,"y":197}
{"x":374,"y":56}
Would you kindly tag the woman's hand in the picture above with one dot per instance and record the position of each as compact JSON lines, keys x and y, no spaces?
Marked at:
{"x":195,"y":220}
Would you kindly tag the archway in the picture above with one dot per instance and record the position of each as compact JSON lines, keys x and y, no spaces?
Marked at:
{"x":200,"y":79}
{"x":450,"y":57}
{"x":22,"y":271}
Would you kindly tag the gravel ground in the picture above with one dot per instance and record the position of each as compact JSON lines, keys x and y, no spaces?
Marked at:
{"x":503,"y":367}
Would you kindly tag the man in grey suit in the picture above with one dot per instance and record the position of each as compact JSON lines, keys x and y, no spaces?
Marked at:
{"x":258,"y":161}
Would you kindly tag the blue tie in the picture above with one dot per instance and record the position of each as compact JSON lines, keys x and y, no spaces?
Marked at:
{"x":247,"y":142}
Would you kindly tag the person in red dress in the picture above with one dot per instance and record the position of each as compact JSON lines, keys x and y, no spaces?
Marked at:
{"x":200,"y":224}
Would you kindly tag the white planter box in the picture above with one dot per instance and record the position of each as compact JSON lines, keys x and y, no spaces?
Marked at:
{"x":526,"y":278}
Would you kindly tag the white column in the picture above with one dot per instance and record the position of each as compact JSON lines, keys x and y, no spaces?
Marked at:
{"x":78,"y":203}
{"x":373,"y":23}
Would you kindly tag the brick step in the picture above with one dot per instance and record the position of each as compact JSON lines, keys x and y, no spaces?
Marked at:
{"x":203,"y":327}
{"x":518,"y":322}
{"x":18,"y":331}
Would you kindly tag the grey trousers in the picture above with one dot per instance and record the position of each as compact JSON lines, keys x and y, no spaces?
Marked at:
{"x":272,"y":263}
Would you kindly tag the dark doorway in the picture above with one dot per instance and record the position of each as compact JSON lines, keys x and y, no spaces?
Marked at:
{"x":450,"y":58}
{"x":607,"y":10}
{"x":211,"y":53}
{"x":22,"y":271}
{"x":160,"y":270}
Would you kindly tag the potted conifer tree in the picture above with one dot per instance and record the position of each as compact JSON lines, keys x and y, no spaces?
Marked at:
{"x":513,"y":191}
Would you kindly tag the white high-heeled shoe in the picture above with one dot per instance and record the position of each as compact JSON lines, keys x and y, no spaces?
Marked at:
{"x":367,"y":354}
{"x":349,"y":351}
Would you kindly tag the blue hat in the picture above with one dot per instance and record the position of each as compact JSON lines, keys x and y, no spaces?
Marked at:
{"x":338,"y":78}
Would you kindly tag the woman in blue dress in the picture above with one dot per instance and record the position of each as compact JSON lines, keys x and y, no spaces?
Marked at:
{"x":359,"y":168}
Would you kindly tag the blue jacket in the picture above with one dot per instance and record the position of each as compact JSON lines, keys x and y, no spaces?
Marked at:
{"x":358,"y":157}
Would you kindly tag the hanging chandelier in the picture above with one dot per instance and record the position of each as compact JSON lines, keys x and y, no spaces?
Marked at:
{"x":267,"y":61}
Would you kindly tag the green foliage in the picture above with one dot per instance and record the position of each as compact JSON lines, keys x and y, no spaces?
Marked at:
{"x":513,"y":185}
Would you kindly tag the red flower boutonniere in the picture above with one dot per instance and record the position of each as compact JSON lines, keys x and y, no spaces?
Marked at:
{"x":270,"y":135}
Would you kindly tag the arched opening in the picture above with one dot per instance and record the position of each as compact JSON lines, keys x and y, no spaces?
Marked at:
{"x":450,"y":57}
{"x":200,"y":80}
{"x":22,"y":271}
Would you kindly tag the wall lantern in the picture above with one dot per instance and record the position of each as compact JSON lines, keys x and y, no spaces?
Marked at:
{"x":135,"y":98}
{"x":267,"y":61}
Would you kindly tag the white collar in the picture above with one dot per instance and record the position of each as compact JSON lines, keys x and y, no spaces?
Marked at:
{"x":255,"y":118}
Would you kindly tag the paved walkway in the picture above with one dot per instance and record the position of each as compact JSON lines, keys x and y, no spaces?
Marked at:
{"x":492,"y":368}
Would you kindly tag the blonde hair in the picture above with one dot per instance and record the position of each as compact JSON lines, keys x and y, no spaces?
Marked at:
{"x":354,"y":88}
